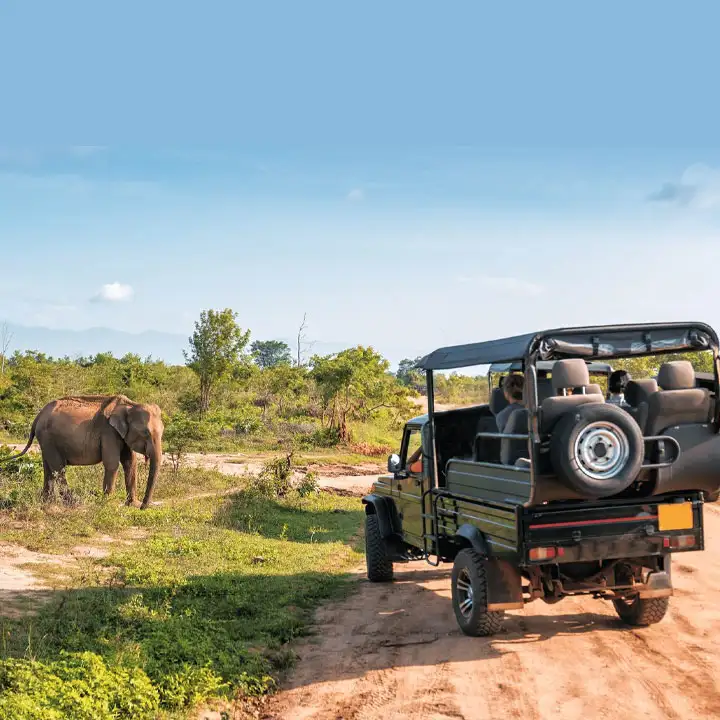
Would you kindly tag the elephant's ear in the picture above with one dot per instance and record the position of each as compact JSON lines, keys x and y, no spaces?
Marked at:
{"x":118,"y":419}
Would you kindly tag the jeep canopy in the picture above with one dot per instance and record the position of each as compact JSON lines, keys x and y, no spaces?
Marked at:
{"x":595,"y":368}
{"x":600,"y":342}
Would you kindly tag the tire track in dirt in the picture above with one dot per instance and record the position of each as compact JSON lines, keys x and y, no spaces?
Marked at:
{"x":394,"y":651}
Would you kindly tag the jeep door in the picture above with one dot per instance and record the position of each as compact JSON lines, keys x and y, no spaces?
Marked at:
{"x":410,"y":485}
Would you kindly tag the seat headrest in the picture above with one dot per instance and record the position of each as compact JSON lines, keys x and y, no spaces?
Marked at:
{"x":637,"y":391}
{"x":497,"y":400}
{"x":570,"y":374}
{"x":676,"y":375}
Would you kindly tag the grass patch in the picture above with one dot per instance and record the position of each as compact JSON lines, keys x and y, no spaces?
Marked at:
{"x":196,"y":600}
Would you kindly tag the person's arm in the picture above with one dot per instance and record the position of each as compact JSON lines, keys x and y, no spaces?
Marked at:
{"x":414,"y":458}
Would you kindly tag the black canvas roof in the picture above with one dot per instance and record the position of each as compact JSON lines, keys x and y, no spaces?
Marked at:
{"x":547,"y":365}
{"x":599,"y":342}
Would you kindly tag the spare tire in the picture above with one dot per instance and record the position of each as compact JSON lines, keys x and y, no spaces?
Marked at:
{"x":597,"y":450}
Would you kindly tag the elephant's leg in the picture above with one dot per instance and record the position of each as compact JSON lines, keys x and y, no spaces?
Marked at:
{"x":129,"y":463}
{"x":53,"y":468}
{"x":111,"y":461}
{"x":48,"y":482}
{"x":65,"y":492}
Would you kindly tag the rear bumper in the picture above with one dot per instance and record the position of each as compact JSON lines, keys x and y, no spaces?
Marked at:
{"x":614,"y":531}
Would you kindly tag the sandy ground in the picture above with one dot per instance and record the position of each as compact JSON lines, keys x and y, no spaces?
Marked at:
{"x":394,"y":651}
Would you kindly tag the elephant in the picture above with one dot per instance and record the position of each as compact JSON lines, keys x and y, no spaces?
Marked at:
{"x":89,"y":429}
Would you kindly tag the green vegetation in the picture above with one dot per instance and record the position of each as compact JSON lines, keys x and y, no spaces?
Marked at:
{"x":197,"y":599}
{"x":225,"y":398}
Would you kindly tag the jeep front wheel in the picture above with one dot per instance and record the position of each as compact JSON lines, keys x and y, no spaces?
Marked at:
{"x":379,"y":565}
{"x":641,"y":612}
{"x":469,"y":596}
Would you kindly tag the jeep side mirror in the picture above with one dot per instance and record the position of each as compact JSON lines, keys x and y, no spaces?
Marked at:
{"x":393,"y":463}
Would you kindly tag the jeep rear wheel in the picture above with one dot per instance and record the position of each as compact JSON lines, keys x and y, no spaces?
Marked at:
{"x":641,"y":612}
{"x":379,"y":565}
{"x":469,"y":596}
{"x":597,"y":450}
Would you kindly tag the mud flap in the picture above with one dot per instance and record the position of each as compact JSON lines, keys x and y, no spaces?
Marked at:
{"x":504,"y":586}
{"x":658,"y":585}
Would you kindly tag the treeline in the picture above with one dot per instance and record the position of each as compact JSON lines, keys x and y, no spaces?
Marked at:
{"x":233,"y":389}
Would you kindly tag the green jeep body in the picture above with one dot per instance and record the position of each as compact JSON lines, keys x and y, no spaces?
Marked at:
{"x":518,"y":524}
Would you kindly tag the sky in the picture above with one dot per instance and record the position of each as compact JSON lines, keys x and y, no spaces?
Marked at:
{"x":410,"y":175}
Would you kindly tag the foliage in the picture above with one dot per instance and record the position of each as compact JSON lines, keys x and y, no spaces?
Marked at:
{"x":76,"y":686}
{"x":275,"y":478}
{"x":456,"y":389}
{"x":308,"y":485}
{"x":216,"y":349}
{"x":200,"y":604}
{"x":19,"y":479}
{"x":354,"y":385}
{"x":643,"y":367}
{"x":181,"y":434}
{"x":411,"y":376}
{"x":271,"y":353}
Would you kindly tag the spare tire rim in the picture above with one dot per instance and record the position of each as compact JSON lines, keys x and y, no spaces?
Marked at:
{"x":602,"y":450}
{"x":464,"y":593}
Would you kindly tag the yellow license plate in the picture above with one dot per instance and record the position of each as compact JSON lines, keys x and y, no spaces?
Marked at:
{"x":675,"y":516}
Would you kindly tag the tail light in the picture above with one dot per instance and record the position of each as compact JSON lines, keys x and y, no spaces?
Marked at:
{"x":679,"y":542}
{"x":546,"y":553}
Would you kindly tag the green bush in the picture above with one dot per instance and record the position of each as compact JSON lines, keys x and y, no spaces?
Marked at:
{"x":78,"y":686}
{"x":275,"y":478}
{"x":21,"y":480}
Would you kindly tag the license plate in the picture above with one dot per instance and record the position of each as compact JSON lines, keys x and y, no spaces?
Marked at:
{"x":675,"y":516}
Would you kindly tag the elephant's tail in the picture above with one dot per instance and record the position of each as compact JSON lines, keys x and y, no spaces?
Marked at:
{"x":27,"y":447}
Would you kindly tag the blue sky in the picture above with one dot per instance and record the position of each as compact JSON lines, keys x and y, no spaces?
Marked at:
{"x":408,"y":174}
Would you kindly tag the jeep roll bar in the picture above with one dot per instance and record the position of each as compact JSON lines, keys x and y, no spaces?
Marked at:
{"x":591,"y":343}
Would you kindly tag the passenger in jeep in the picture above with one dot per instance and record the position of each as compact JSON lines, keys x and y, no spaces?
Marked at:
{"x":616,"y":385}
{"x":513,"y":390}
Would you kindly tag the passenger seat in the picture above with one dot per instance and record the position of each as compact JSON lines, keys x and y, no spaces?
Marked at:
{"x":679,"y":401}
{"x":637,"y":394}
{"x":566,"y":375}
{"x":497,"y":401}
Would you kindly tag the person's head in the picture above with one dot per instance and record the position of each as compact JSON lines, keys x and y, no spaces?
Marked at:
{"x":618,"y":381}
{"x":513,"y":388}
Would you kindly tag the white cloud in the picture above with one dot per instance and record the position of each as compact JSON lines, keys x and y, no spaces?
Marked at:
{"x":356,"y":195}
{"x":698,"y":187}
{"x":507,"y":285}
{"x":114,"y":292}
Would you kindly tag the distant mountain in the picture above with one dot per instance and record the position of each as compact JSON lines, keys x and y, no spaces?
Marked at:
{"x":161,"y":346}
{"x":59,"y":343}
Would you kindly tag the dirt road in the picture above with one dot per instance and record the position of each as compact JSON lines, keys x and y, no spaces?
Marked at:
{"x":394,"y":651}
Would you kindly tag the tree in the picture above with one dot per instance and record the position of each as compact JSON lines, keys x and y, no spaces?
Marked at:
{"x":271,"y":353}
{"x":302,"y":344}
{"x":5,"y":339}
{"x":410,"y":376}
{"x":216,"y":350}
{"x":355,"y":384}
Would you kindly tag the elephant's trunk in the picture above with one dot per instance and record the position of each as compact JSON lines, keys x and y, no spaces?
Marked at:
{"x":155,"y":455}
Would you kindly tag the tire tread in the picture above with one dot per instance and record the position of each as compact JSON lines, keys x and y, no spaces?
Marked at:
{"x":379,"y":565}
{"x":643,"y":612}
{"x":482,"y":624}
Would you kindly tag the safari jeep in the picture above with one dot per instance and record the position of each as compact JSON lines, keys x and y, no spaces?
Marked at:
{"x":577,"y":495}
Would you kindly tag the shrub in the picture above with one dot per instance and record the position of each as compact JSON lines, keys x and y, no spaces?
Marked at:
{"x":275,"y":478}
{"x":78,"y":686}
{"x":308,"y":485}
{"x":21,"y":480}
{"x":181,"y":434}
